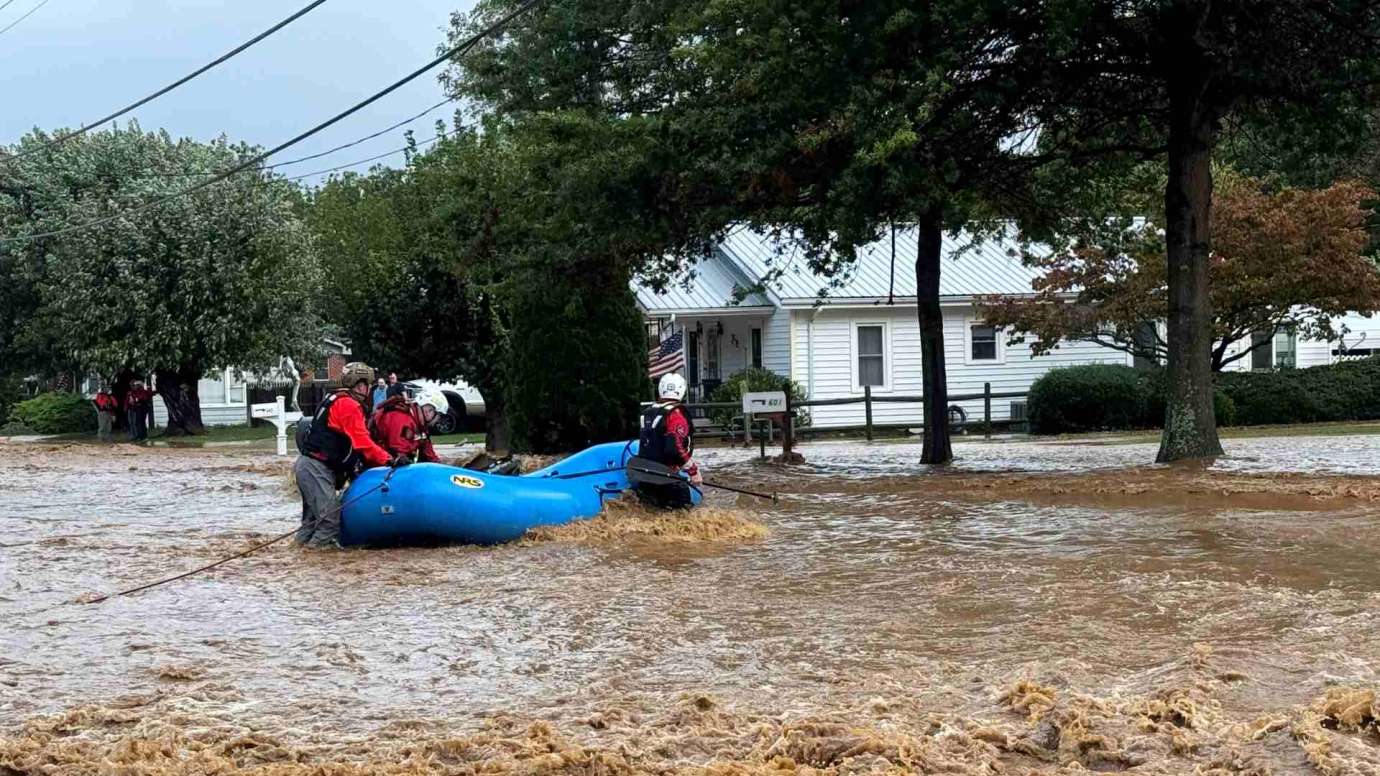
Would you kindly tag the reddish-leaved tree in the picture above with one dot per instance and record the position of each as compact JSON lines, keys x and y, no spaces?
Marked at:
{"x":1291,"y":258}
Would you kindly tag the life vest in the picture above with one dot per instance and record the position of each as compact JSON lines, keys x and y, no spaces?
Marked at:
{"x":106,"y":403}
{"x":412,"y":430}
{"x":329,"y":445}
{"x":655,"y":443}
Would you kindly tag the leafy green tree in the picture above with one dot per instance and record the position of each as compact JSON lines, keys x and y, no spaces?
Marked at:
{"x":410,"y":254}
{"x":823,"y":121}
{"x":225,"y":277}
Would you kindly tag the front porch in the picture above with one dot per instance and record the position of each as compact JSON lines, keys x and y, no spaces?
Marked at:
{"x":718,"y":342}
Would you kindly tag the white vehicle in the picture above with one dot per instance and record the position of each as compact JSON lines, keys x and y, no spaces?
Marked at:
{"x":466,"y":405}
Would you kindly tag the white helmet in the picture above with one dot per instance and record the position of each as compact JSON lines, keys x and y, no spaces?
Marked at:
{"x":672,"y":386}
{"x":430,"y":397}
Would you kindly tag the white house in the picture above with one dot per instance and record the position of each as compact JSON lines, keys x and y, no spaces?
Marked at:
{"x":863,"y":332}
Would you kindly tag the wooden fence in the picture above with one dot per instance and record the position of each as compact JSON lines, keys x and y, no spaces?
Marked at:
{"x":783,"y":424}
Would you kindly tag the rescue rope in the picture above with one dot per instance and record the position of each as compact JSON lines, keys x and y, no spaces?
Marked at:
{"x":312,"y":526}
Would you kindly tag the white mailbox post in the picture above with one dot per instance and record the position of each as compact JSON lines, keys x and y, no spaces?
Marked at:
{"x":278,"y":414}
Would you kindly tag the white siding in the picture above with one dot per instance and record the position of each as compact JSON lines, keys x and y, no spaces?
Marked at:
{"x":776,"y":342}
{"x":1363,"y":333}
{"x":834,"y":368}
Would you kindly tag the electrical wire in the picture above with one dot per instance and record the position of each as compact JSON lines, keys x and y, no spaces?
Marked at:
{"x":354,"y":143}
{"x":384,"y":155}
{"x":6,"y":5}
{"x":184,"y":79}
{"x":254,"y":161}
{"x":31,"y":12}
{"x":327,"y":152}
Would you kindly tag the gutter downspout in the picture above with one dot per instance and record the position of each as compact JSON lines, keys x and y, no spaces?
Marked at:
{"x":810,"y":354}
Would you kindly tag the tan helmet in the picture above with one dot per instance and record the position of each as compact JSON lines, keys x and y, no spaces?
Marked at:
{"x":356,"y":372}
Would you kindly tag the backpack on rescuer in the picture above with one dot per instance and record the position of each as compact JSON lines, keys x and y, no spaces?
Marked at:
{"x":655,"y":444}
{"x":316,"y":439}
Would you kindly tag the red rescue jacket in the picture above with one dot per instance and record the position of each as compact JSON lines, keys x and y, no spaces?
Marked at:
{"x":106,"y":402}
{"x":398,"y":427}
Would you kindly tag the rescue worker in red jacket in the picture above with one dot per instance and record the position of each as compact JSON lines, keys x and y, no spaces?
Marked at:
{"x":106,"y":407}
{"x":335,"y":447}
{"x":400,"y":425}
{"x":668,"y":438}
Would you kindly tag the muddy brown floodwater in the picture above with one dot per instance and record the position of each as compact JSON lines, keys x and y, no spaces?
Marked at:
{"x":1038,"y":608}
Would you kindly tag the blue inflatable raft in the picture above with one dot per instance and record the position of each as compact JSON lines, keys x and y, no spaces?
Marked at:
{"x":428,"y":503}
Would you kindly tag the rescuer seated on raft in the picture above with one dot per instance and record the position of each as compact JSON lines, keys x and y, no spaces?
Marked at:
{"x":335,"y":448}
{"x":668,"y":438}
{"x":400,"y":424}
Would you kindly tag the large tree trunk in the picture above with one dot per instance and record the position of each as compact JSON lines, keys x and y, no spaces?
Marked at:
{"x":1190,"y":428}
{"x":179,"y":394}
{"x":498,"y":434}
{"x":937,"y":448}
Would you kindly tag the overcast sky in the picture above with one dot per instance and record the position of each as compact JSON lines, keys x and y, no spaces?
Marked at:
{"x":77,"y":60}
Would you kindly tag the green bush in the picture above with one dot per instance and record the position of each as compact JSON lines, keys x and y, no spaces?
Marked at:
{"x":1336,"y":392}
{"x":11,"y":393}
{"x":1093,"y":397}
{"x":748,"y":381}
{"x":1157,"y":388}
{"x":55,"y":413}
{"x":15,"y":429}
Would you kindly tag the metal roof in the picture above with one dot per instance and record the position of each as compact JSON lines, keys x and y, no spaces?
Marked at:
{"x":706,"y":285}
{"x":989,"y":266}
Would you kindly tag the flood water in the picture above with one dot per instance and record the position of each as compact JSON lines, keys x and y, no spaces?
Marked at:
{"x":1037,"y":608}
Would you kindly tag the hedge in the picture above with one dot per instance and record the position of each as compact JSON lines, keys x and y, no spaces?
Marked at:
{"x":1087,"y":398}
{"x":1336,"y":392}
{"x":55,"y":413}
{"x":1105,"y":397}
{"x":1113,"y":397}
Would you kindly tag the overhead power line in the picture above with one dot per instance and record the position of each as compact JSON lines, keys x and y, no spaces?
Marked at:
{"x":384,"y":155}
{"x":31,"y":12}
{"x":253,"y":162}
{"x":366,"y":138}
{"x":184,"y":79}
{"x":6,"y":5}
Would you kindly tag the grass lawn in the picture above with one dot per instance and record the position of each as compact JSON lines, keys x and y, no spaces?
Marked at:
{"x":459,"y":439}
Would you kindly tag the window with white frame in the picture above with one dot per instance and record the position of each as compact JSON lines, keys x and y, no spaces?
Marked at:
{"x":756,"y":348}
{"x":982,"y":342}
{"x":871,"y":354}
{"x":1286,"y":348}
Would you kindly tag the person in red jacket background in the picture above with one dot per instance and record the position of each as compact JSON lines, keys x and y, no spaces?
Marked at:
{"x":106,"y":407}
{"x":138,"y":410}
{"x":400,"y":425}
{"x":335,"y":448}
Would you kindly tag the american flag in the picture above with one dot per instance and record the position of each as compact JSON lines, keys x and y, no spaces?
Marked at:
{"x":667,"y":357}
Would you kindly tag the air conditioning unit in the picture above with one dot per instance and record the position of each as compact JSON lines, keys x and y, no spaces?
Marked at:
{"x":1018,"y":418}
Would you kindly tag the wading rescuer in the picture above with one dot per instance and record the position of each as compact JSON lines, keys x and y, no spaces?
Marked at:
{"x":335,"y":448}
{"x":668,"y":438}
{"x":400,"y":425}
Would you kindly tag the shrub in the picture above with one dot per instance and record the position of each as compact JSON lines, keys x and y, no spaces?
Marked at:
{"x":1093,"y":397}
{"x":1336,"y":392}
{"x":750,"y":380}
{"x":15,"y":429}
{"x":11,"y":393}
{"x":55,"y":413}
{"x":1157,"y":388}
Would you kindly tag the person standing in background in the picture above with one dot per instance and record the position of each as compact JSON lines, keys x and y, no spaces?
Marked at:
{"x":380,"y":393}
{"x":138,"y":408}
{"x":106,"y":407}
